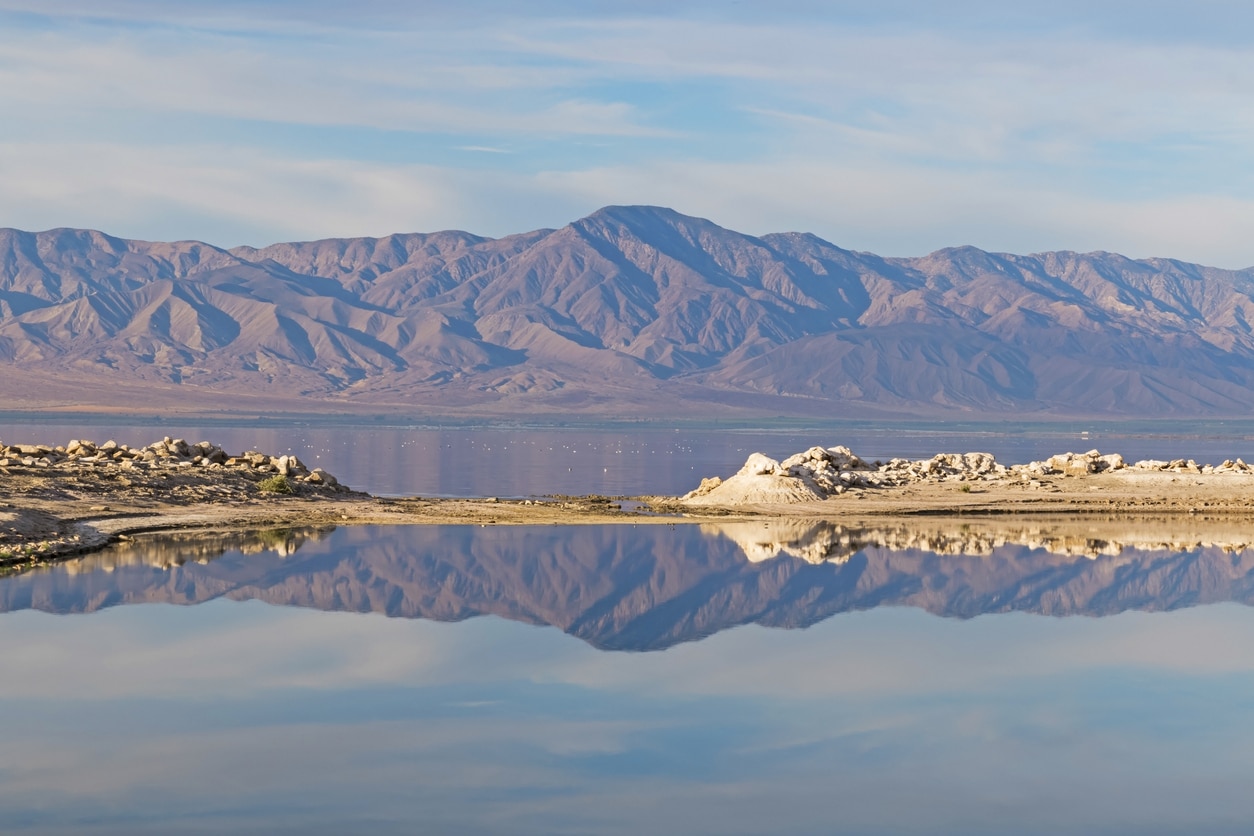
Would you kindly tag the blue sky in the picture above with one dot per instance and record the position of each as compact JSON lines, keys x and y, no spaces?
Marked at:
{"x":897,"y":127}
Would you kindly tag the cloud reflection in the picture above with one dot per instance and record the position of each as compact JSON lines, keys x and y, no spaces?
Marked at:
{"x":174,"y":719}
{"x":648,"y":587}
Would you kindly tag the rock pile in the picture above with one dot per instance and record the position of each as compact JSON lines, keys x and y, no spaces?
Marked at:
{"x":1190,"y":466}
{"x":167,"y":454}
{"x":960,"y":467}
{"x":821,"y":472}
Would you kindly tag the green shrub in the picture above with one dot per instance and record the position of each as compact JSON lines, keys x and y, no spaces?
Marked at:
{"x":275,"y":484}
{"x":272,"y":537}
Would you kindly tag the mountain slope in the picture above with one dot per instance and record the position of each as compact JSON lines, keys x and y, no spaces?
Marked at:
{"x":630,"y":311}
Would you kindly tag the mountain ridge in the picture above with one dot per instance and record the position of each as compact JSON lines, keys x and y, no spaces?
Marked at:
{"x":631,"y":312}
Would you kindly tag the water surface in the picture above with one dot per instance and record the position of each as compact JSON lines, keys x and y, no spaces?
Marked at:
{"x":626,"y":459}
{"x":627,"y":679}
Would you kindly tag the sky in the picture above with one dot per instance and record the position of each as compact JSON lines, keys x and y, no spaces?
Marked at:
{"x":895,"y":127}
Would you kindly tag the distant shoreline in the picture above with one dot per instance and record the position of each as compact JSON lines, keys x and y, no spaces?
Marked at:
{"x":1065,"y":426}
{"x":49,"y":514}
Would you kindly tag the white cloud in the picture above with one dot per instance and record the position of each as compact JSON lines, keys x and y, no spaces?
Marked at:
{"x":247,"y":650}
{"x":895,"y":137}
{"x":235,"y":79}
{"x":891,"y":652}
{"x":948,"y":92}
{"x":225,"y":195}
{"x":253,"y":651}
{"x":231,"y":196}
{"x":911,"y":210}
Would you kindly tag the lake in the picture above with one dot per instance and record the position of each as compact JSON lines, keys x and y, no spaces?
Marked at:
{"x":630,"y":459}
{"x":623,"y":679}
{"x":792,"y":677}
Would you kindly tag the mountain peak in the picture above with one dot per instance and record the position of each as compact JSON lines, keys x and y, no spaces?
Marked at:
{"x":643,"y":220}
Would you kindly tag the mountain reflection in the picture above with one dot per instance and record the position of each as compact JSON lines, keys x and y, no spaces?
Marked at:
{"x":649,"y":587}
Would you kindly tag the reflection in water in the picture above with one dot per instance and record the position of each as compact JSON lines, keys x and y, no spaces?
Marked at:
{"x":178,"y":549}
{"x":649,"y":587}
{"x":824,"y":542}
{"x":240,"y":717}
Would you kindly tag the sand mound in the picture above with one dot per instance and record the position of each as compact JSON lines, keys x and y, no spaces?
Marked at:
{"x":761,"y":480}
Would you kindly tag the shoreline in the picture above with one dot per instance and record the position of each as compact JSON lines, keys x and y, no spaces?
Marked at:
{"x":62,"y":527}
{"x":61,"y":502}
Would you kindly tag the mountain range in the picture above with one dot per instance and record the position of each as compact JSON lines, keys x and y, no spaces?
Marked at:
{"x":630,"y":312}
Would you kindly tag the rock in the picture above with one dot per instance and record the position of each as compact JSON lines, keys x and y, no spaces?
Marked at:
{"x":705,"y":487}
{"x":166,"y":455}
{"x":759,"y":464}
{"x":320,"y":476}
{"x":813,"y":456}
{"x":842,"y":458}
{"x":819,"y":473}
{"x":1073,"y":464}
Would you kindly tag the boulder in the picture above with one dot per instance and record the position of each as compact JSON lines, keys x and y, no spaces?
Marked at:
{"x":759,"y":464}
{"x":321,"y":477}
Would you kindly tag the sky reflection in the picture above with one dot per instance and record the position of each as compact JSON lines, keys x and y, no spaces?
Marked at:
{"x":175,"y":719}
{"x":240,"y":715}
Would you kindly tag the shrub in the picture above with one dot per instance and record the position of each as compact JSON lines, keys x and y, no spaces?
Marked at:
{"x":275,"y":484}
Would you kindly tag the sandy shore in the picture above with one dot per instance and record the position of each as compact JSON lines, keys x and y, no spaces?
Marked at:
{"x":48,"y":514}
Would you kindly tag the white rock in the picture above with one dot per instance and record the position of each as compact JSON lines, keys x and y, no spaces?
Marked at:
{"x":759,"y":464}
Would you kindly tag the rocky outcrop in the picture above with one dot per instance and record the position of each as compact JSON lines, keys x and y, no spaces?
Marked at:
{"x":72,"y":495}
{"x":820,"y":473}
{"x":167,"y":454}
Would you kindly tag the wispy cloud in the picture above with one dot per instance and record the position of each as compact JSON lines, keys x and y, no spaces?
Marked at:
{"x":232,"y":196}
{"x":1011,"y":129}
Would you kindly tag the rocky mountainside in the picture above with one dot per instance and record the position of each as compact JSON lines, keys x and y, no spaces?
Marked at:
{"x":647,"y":587}
{"x":630,"y":311}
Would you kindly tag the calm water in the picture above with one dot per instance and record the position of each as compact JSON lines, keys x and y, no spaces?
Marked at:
{"x":733,"y":679}
{"x":520,"y":462}
{"x":629,"y":679}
